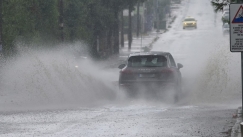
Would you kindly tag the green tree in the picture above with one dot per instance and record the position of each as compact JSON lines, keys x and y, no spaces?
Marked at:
{"x":38,"y":21}
{"x":28,"y":20}
{"x":219,"y":4}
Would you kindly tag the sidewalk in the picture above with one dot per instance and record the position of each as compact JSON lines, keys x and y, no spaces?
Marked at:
{"x":142,"y":43}
{"x":236,"y":131}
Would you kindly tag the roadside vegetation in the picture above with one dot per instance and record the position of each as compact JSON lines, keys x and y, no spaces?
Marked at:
{"x":220,"y":4}
{"x":100,"y":24}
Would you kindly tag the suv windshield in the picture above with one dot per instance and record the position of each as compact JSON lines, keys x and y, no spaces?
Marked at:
{"x":147,"y":61}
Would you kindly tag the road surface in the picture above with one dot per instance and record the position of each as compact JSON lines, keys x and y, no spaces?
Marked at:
{"x":43,"y":94}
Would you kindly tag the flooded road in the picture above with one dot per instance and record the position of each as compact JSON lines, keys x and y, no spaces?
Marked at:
{"x":137,"y":118}
{"x":50,"y":97}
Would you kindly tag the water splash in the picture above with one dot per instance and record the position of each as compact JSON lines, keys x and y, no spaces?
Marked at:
{"x":45,"y":78}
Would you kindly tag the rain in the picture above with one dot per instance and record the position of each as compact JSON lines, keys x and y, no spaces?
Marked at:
{"x":51,"y":88}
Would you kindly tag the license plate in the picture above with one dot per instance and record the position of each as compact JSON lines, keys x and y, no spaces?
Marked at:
{"x":146,"y":75}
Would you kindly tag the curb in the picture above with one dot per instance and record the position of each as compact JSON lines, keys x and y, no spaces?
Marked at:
{"x":236,"y":132}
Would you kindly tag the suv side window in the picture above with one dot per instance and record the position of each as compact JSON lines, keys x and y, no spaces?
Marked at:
{"x":172,"y":61}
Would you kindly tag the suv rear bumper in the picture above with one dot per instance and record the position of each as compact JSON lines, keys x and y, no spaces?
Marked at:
{"x":148,"y":85}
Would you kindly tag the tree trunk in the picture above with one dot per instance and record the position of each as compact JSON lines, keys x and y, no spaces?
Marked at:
{"x":122,"y":30}
{"x":1,"y":22}
{"x":138,"y":20}
{"x":116,"y":33}
{"x":61,"y":20}
{"x":109,"y":41}
{"x":130,"y":27}
{"x":157,"y":16}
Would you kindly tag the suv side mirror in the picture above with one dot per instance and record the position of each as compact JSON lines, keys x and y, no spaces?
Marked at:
{"x":179,"y":65}
{"x":121,"y":66}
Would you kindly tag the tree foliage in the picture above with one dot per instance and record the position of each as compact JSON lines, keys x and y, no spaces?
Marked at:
{"x":28,"y":20}
{"x":219,"y":4}
{"x":38,"y":21}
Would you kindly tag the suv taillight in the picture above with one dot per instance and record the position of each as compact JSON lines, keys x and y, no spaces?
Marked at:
{"x":126,"y":71}
{"x":167,"y":74}
{"x":127,"y":74}
{"x":167,"y":71}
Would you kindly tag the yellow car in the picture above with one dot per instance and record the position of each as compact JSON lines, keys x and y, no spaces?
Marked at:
{"x":189,"y":22}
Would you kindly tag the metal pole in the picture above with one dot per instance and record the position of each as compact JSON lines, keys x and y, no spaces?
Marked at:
{"x":241,"y":1}
{"x":241,"y":128}
{"x":242,"y":83}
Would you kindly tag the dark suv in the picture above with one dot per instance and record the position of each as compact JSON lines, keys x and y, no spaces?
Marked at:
{"x":150,"y":70}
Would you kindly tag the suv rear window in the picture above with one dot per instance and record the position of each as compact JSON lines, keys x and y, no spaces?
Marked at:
{"x":147,"y":61}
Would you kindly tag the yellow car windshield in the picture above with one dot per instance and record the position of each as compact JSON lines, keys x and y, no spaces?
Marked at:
{"x":189,"y":19}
